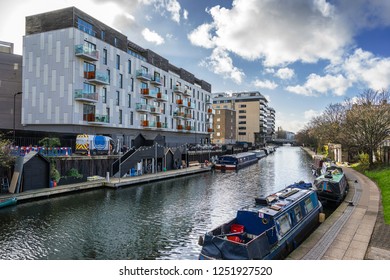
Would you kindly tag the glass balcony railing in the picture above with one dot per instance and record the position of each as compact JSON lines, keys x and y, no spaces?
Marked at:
{"x":142,"y":75}
{"x":96,"y":77}
{"x":162,"y":97}
{"x":86,"y":52}
{"x":156,"y":80}
{"x":79,"y":95}
{"x":95,"y":118}
{"x":142,"y":107}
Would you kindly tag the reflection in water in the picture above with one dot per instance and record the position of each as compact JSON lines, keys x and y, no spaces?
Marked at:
{"x":154,"y":221}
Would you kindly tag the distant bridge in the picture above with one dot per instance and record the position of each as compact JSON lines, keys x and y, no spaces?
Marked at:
{"x":281,"y":141}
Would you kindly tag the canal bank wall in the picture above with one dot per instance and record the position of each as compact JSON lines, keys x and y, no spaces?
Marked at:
{"x":351,"y":232}
{"x":103,"y":183}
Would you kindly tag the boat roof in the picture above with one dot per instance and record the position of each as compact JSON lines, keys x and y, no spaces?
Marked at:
{"x":240,"y":155}
{"x":334,"y":174}
{"x":275,"y":203}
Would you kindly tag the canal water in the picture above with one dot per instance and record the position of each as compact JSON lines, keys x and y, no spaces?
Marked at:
{"x":161,"y":220}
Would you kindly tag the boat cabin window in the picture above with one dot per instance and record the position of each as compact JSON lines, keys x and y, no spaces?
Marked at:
{"x":298,"y":213}
{"x":284,"y":223}
{"x":308,"y":205}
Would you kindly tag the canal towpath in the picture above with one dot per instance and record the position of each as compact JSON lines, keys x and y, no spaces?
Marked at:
{"x":355,"y":230}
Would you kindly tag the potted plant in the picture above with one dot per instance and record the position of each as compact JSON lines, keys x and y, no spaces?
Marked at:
{"x":55,"y":176}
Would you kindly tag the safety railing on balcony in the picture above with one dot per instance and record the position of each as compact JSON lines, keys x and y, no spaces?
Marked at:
{"x":80,"y":95}
{"x":178,"y":115}
{"x":96,"y":77}
{"x":86,"y":52}
{"x":156,"y":80}
{"x":148,"y":93}
{"x":143,"y":75}
{"x":98,"y":119}
{"x":140,"y":107}
{"x":162,"y":97}
{"x":156,"y":110}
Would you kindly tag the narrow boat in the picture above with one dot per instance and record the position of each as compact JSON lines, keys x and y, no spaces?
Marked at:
{"x":260,"y":154}
{"x":332,"y":186}
{"x":270,"y":229}
{"x":7,"y":202}
{"x":236,"y":161}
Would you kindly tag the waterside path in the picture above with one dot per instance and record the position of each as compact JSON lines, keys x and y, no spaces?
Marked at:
{"x":350,"y":233}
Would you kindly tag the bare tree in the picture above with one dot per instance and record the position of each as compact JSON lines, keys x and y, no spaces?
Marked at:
{"x":367,"y":121}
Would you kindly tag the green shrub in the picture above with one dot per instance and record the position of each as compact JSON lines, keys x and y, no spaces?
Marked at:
{"x":73,"y":172}
{"x":364,"y":161}
{"x":54,"y":173}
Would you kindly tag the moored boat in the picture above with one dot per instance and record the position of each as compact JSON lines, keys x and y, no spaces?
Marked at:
{"x":236,"y":161}
{"x":7,"y":202}
{"x":260,"y":154}
{"x":270,"y":229}
{"x":332,"y":186}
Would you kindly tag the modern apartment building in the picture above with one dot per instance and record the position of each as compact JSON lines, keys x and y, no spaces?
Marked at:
{"x":224,"y":123}
{"x":82,"y":76}
{"x":252,"y":115}
{"x":270,"y":124}
{"x":10,"y":88}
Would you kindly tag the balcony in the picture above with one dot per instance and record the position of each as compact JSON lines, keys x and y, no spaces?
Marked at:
{"x":96,"y":77}
{"x":162,"y":97}
{"x":210,"y":130}
{"x":186,"y":92}
{"x":161,"y":125}
{"x":156,"y":81}
{"x":208,"y":100}
{"x":179,"y":89}
{"x":98,"y":119}
{"x":87,"y":53}
{"x":178,"y":115}
{"x":79,"y":95}
{"x":146,"y":123}
{"x":179,"y":127}
{"x":142,"y":108}
{"x":190,"y":128}
{"x":143,"y":76}
{"x":182,"y":102}
{"x":188,"y":116}
{"x":147,"y":93}
{"x":191,"y":105}
{"x":156,"y":110}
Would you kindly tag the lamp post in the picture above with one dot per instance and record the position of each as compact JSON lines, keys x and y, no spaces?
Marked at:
{"x":15,"y":115}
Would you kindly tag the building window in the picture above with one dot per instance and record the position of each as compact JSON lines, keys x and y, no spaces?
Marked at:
{"x":242,"y":128}
{"x":105,"y":56}
{"x":242,"y":133}
{"x":132,"y":84}
{"x":120,"y":116}
{"x":129,"y":67}
{"x":120,"y":80}
{"x":89,"y":70}
{"x":129,"y":100}
{"x":242,"y":122}
{"x":85,"y":27}
{"x":109,"y":75}
{"x":118,"y":62}
{"x":102,"y":35}
{"x":116,"y":41}
{"x":131,"y":118}
{"x":117,"y":98}
{"x":88,"y":113}
{"x":108,"y":113}
{"x":242,"y":106}
{"x":104,"y":97}
{"x":242,"y":117}
{"x":242,"y":111}
{"x":88,"y":88}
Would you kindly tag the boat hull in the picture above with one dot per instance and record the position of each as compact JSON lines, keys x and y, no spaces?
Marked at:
{"x":8,"y":202}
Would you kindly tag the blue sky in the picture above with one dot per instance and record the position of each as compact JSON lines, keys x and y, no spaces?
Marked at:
{"x":302,"y":54}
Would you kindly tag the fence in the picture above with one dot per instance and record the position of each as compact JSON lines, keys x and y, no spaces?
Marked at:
{"x":49,"y":152}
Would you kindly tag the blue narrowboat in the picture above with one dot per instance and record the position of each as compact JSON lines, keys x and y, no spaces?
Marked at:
{"x":236,"y":161}
{"x":270,"y":229}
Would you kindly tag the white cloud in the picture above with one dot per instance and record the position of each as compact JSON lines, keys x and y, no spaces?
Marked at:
{"x":174,"y":8}
{"x":201,"y":36}
{"x":222,"y":64}
{"x":265,"y":84}
{"x":185,"y":14}
{"x":285,"y":73}
{"x":277,"y":33}
{"x":310,"y":114}
{"x":316,"y":85}
{"x":152,"y":36}
{"x":364,"y":67}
